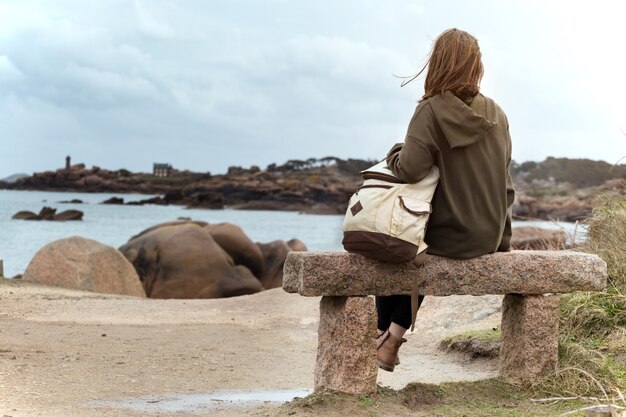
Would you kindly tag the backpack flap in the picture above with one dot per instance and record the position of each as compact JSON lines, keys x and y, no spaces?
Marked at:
{"x":415,"y":206}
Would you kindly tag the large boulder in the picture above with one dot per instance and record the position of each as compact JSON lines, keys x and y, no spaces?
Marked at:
{"x":195,"y":259}
{"x":297,"y":245}
{"x":274,"y":255}
{"x":183,"y":260}
{"x":236,"y":243}
{"x":85,"y":264}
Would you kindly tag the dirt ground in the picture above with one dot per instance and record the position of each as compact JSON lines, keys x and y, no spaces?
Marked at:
{"x":67,"y":353}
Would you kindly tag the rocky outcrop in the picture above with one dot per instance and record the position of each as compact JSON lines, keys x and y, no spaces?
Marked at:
{"x":159,"y":201}
{"x":48,"y":213}
{"x":84,"y":264}
{"x":549,"y":199}
{"x":206,"y":200}
{"x":317,"y":190}
{"x":562,"y":208}
{"x":550,"y":190}
{"x":79,"y":178}
{"x":192,"y":259}
{"x":255,"y":192}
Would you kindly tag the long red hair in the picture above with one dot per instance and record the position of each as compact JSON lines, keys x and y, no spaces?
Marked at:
{"x":454,"y":65}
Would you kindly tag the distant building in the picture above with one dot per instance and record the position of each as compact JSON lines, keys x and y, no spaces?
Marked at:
{"x":162,"y":170}
{"x":68,"y":162}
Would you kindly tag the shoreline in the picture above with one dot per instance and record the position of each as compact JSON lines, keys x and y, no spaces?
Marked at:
{"x":267,"y":206}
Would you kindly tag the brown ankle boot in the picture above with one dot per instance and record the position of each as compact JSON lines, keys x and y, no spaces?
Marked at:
{"x":379,"y":341}
{"x":387,"y":352}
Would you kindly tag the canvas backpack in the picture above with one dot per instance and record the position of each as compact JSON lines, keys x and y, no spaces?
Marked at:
{"x":386,"y":218}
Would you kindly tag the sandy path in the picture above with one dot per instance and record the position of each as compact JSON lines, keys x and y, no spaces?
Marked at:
{"x":62,"y":351}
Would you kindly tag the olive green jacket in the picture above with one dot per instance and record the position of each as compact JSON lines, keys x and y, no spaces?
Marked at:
{"x":471,"y":145}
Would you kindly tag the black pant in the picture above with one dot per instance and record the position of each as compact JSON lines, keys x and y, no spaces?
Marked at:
{"x":395,"y":308}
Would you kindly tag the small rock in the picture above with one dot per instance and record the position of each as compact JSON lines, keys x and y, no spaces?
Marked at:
{"x":113,"y":200}
{"x":69,"y":215}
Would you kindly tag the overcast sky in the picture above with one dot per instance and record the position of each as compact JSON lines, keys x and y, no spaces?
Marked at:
{"x":205,"y":84}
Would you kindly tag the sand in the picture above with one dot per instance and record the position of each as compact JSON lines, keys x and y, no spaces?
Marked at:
{"x":73,"y":353}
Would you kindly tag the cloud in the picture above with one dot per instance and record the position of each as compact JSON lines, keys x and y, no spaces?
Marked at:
{"x":150,"y":24}
{"x":107,"y":87}
{"x":8,"y":71}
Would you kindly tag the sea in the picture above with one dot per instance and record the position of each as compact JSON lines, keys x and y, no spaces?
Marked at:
{"x":115,"y":224}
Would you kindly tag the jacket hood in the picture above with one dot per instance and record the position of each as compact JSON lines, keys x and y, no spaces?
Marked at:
{"x":464,"y":124}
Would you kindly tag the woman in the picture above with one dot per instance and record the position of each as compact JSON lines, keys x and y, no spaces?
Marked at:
{"x":466,"y":135}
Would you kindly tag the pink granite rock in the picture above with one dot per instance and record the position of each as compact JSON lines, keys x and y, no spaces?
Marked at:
{"x":520,"y":272}
{"x":346,"y":352}
{"x":85,"y":264}
{"x":530,"y":333}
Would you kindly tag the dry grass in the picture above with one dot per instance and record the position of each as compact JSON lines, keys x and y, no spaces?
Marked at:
{"x":607,"y":238}
{"x":599,"y":314}
{"x":592,"y":346}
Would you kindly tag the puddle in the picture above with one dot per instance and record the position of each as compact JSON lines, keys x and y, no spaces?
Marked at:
{"x":203,"y":401}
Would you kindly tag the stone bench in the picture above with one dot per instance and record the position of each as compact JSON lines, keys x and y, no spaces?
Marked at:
{"x":529,"y":280}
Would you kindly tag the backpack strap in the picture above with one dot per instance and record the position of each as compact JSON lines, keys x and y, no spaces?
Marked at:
{"x":416,"y":299}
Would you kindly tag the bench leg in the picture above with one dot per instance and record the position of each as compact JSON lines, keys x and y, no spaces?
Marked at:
{"x":346,"y":349}
{"x":530,"y":332}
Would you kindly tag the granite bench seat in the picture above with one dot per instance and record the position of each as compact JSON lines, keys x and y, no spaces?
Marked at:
{"x":530,"y":281}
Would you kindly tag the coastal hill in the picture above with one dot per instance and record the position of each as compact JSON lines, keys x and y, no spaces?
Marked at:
{"x":564,"y":189}
{"x":14,"y":177}
{"x":557,"y":188}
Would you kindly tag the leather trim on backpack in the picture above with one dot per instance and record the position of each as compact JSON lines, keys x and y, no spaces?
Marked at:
{"x":379,"y":246}
{"x":368,"y":175}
